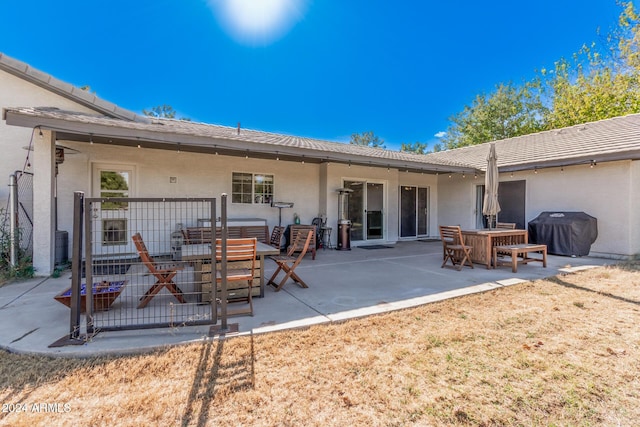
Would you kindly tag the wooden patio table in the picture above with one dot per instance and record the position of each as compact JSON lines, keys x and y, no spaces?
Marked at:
{"x":200,"y":253}
{"x":483,"y":241}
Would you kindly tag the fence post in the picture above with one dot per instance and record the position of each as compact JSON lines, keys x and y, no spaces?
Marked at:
{"x":88,"y":265}
{"x":223,"y":260}
{"x":13,"y":219}
{"x":214,"y":287}
{"x":76,"y":266}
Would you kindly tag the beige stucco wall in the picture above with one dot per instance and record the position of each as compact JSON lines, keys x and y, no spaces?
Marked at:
{"x":634,"y":226}
{"x":338,"y":173}
{"x":16,"y":92}
{"x":456,"y":200}
{"x":198,"y":175}
{"x":609,"y":192}
{"x":311,"y":187}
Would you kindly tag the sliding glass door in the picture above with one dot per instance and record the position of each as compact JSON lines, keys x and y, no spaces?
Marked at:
{"x":414,"y":211}
{"x":366,"y":210}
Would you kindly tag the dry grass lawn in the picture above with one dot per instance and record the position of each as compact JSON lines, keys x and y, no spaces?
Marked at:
{"x":563,"y":351}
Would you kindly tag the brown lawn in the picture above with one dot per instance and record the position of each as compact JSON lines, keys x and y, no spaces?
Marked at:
{"x":563,"y":351}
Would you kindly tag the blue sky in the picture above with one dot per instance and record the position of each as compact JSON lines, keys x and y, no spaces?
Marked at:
{"x":329,"y":68}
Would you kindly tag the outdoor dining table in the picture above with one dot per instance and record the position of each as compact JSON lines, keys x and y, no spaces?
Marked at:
{"x":483,"y":240}
{"x":200,"y":253}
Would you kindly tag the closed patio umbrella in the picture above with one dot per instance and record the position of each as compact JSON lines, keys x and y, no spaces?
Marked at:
{"x":490,"y":206}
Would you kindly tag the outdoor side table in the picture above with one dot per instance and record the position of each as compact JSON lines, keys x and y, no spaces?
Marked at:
{"x":326,"y":237}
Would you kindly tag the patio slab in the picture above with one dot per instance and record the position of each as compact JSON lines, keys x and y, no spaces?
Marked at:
{"x":342,"y":285}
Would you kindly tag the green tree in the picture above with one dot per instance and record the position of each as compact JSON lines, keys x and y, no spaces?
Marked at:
{"x":367,"y":138}
{"x":507,"y":112}
{"x":600,"y":81}
{"x":415,"y":147}
{"x":110,"y":180}
{"x":163,"y":111}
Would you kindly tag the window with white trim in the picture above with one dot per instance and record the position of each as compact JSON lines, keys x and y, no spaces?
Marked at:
{"x":112,"y":181}
{"x":252,"y":188}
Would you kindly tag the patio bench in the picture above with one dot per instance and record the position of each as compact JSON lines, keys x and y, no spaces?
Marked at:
{"x":200,"y":235}
{"x":520,"y":250}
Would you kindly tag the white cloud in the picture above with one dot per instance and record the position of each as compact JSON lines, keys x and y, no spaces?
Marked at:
{"x":440,"y":134}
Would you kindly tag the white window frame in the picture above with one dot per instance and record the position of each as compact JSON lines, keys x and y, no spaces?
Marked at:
{"x":256,"y":199}
{"x":113,"y":216}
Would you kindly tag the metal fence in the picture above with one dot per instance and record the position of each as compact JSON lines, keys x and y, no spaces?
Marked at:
{"x":20,"y":216}
{"x":133,"y":259}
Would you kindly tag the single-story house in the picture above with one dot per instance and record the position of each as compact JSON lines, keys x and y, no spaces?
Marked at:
{"x":592,"y":168}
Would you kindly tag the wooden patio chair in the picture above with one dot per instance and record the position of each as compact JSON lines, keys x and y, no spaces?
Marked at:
{"x":506,"y":225}
{"x":302,"y":229}
{"x":454,"y":247}
{"x":288,"y":263}
{"x":241,"y":267}
{"x":164,"y":274}
{"x":276,"y":237}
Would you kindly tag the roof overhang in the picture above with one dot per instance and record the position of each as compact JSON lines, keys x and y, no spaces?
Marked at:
{"x":146,"y":136}
{"x":574,"y":161}
{"x":66,"y":90}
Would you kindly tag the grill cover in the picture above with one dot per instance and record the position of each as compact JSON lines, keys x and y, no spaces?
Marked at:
{"x":564,"y":233}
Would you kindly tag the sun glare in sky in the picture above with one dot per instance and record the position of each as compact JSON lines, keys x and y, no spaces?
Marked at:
{"x":258,"y":21}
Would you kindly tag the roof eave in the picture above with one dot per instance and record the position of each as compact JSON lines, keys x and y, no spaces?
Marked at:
{"x":66,"y":90}
{"x":573,"y":161}
{"x":158,"y":139}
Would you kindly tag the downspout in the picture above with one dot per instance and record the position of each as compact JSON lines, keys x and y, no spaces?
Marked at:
{"x":13,"y":219}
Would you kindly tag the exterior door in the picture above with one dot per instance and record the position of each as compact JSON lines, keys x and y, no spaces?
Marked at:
{"x":366,"y":210}
{"x":511,"y":196}
{"x":423,"y":211}
{"x":414,"y":211}
{"x":111,"y":228}
{"x":481,"y":220}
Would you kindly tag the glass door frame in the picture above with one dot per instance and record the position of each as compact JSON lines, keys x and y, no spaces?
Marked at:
{"x":113,"y":215}
{"x":415,"y":216}
{"x":364,"y":209}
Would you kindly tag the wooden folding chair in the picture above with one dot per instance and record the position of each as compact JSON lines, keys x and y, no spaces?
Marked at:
{"x":164,"y":273}
{"x":506,"y":225}
{"x":288,"y":263}
{"x":276,"y":236}
{"x":297,"y":229}
{"x":241,"y":266}
{"x":454,"y":247}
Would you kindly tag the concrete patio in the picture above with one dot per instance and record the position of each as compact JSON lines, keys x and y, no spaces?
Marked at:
{"x":342,"y":285}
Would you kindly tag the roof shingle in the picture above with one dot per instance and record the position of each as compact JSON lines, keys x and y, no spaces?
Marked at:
{"x":609,"y":139}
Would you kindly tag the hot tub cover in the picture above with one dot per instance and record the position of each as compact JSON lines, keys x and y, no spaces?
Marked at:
{"x":564,"y":233}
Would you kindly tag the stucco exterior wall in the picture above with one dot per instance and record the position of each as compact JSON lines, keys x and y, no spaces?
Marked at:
{"x":338,"y":173}
{"x":602,"y":191}
{"x":634,"y":226}
{"x":608,"y":191}
{"x":311,"y":187}
{"x":197,"y":175}
{"x":16,"y":92}
{"x":456,"y":200}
